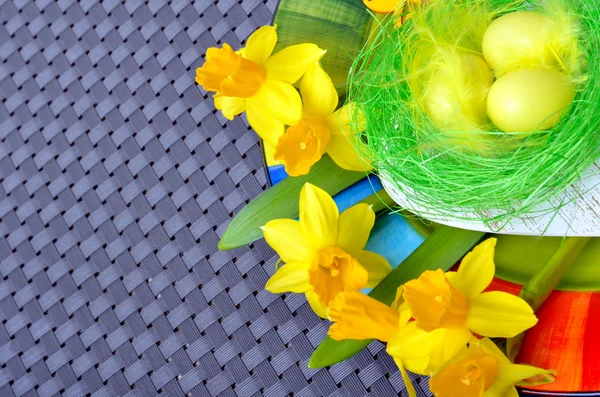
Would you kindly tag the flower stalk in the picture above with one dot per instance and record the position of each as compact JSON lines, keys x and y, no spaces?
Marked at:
{"x":537,"y":290}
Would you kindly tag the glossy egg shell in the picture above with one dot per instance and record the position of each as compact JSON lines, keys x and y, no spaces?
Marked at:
{"x":527,"y":100}
{"x":517,"y":40}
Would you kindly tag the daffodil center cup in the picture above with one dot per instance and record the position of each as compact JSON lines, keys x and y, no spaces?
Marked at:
{"x":333,"y":260}
{"x":435,"y":302}
{"x":303,"y":144}
{"x":230,"y":74}
{"x":470,"y":377}
{"x":332,"y":270}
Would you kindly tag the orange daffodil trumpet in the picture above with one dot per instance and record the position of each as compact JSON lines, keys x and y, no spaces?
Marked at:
{"x":482,"y":370}
{"x":324,"y":251}
{"x":435,"y":316}
{"x":321,"y":129}
{"x":259,"y":82}
{"x":359,"y":317}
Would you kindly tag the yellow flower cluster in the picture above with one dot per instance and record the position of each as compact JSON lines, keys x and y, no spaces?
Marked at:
{"x":434,"y":325}
{"x":260,"y":83}
{"x":430,"y":329}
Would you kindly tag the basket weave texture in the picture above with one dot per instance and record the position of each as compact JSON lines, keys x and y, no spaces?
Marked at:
{"x":117,"y":178}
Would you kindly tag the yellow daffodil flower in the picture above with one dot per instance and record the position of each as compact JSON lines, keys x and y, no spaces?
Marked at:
{"x":324,"y":251}
{"x":360,"y":317}
{"x":434,"y":316}
{"x":321,"y":129}
{"x":482,"y":370}
{"x":257,"y":82}
{"x":449,"y":307}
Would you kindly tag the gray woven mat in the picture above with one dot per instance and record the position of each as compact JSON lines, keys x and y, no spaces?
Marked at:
{"x":117,"y":178}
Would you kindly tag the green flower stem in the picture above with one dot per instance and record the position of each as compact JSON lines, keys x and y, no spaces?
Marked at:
{"x":537,"y":290}
{"x":441,"y":250}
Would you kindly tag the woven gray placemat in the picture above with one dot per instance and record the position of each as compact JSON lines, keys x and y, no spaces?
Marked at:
{"x":117,"y":178}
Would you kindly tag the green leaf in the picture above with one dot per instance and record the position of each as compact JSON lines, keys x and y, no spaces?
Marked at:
{"x":281,"y":201}
{"x":339,"y":26}
{"x":444,"y":248}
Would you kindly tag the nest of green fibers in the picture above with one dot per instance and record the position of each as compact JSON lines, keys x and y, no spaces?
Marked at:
{"x":478,"y":170}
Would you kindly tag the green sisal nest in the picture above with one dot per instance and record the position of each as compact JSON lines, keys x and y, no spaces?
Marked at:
{"x":473,"y":167}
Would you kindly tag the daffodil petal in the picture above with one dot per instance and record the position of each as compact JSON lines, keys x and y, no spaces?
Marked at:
{"x":407,"y":382}
{"x":450,"y":343}
{"x":411,"y":342}
{"x":345,"y":155}
{"x":516,"y":374}
{"x":291,"y":277}
{"x":376,"y":265}
{"x":316,"y":305}
{"x":501,"y":390}
{"x":347,"y":120}
{"x":344,"y":124}
{"x":339,"y":122}
{"x":318,"y":93}
{"x":512,"y":374}
{"x":229,"y":106}
{"x":267,"y":126}
{"x":270,"y":154}
{"x":451,"y":276}
{"x":491,"y":348}
{"x":354,"y":227}
{"x":285,"y":236}
{"x":436,"y":347}
{"x":499,"y":315}
{"x":417,"y":365}
{"x":476,"y":270}
{"x":511,"y":392}
{"x":260,"y":44}
{"x":289,"y":64}
{"x":318,"y":216}
{"x":281,"y":100}
{"x":405,"y":314}
{"x":524,"y":375}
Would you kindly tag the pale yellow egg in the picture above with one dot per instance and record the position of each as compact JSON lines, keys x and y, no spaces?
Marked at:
{"x":455,"y":98}
{"x":527,"y":100}
{"x":519,"y":39}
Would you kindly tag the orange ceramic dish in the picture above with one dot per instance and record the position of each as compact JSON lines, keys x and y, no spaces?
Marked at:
{"x":565,"y":339}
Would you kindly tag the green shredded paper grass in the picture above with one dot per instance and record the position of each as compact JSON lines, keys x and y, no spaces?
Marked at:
{"x":480,"y":169}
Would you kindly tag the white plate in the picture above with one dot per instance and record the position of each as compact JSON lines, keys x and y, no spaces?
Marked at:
{"x":579,"y":217}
